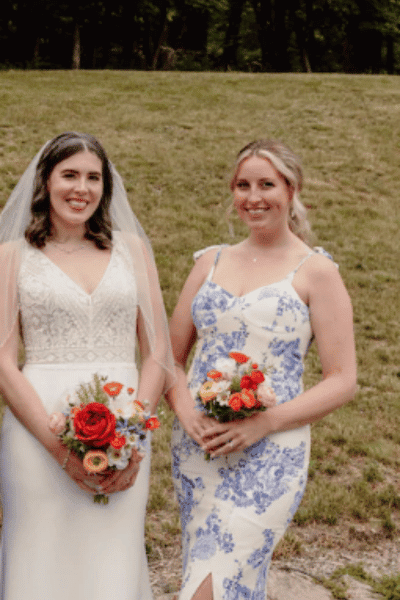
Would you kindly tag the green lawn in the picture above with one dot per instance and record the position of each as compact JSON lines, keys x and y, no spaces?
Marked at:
{"x":173,"y":137}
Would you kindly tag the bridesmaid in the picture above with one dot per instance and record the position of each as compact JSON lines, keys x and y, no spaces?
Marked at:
{"x":268,"y":297}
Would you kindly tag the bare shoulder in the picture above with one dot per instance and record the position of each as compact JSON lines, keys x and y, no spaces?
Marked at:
{"x":205,"y":259}
{"x":320,"y":269}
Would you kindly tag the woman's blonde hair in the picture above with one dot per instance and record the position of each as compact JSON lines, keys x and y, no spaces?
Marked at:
{"x":288,"y":164}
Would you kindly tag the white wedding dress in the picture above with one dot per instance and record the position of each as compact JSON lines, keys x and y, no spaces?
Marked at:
{"x":56,"y":543}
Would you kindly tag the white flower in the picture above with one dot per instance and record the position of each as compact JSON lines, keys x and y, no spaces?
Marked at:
{"x":118,"y":458}
{"x":220,"y":386}
{"x":122,"y":406}
{"x":227,"y":366}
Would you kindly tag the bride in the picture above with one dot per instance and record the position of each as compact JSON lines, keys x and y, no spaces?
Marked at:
{"x":80,"y":284}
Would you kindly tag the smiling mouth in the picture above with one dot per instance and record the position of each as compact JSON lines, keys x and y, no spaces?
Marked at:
{"x":78,"y":203}
{"x":258,"y":211}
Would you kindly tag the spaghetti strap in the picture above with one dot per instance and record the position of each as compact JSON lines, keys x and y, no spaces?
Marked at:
{"x":303,"y":260}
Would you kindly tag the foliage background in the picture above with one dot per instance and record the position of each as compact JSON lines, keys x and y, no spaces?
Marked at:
{"x":174,"y":137}
{"x":353,"y":36}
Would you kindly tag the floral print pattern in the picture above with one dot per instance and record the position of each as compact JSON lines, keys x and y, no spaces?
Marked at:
{"x":234,"y":509}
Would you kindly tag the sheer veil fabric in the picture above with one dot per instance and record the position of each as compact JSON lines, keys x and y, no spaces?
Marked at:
{"x":14,"y":220}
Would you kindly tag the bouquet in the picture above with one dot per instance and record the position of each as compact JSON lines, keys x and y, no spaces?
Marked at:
{"x":103,"y":425}
{"x":236,"y":389}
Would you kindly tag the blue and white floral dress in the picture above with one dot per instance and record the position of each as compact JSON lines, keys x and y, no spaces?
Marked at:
{"x":235,"y":509}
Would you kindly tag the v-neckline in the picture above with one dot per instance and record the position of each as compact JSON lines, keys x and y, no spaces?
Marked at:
{"x":76,"y":284}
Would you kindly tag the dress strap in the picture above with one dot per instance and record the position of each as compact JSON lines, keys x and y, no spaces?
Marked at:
{"x":303,"y":260}
{"x":199,"y":253}
{"x":315,"y":250}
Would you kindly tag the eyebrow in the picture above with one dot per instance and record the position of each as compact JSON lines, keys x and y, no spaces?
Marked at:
{"x":76,"y":171}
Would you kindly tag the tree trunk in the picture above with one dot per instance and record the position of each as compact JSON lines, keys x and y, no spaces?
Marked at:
{"x":231,"y":43}
{"x":76,"y":51}
{"x":390,"y":55}
{"x":263,"y":14}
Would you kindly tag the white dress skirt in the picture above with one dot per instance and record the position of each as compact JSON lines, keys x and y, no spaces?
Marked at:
{"x":57,"y":544}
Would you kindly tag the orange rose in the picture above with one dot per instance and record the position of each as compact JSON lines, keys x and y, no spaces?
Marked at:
{"x":235,"y":401}
{"x":248,"y":399}
{"x":113,"y":388}
{"x":239,"y":357}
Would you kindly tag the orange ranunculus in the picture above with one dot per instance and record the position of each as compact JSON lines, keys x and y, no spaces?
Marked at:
{"x":95,"y":461}
{"x":138,"y":404}
{"x":152,"y":423}
{"x":119,"y":441}
{"x":130,"y":390}
{"x":213,"y":374}
{"x":113,"y":388}
{"x":257,"y":377}
{"x":254,"y":366}
{"x":235,"y":401}
{"x":248,"y":399}
{"x":205,"y":392}
{"x":239,"y":357}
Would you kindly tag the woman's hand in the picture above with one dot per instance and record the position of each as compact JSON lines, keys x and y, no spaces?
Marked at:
{"x":121,"y":480}
{"x":195,"y":423}
{"x":100,"y":483}
{"x":224,"y":438}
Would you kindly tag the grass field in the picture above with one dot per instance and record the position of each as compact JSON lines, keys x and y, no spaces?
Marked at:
{"x":173,"y":137}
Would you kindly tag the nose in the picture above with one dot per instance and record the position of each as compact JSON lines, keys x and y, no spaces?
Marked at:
{"x":254,"y":194}
{"x":81,"y":184}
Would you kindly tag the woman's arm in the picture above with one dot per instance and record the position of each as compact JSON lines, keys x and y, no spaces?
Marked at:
{"x":183,"y":337}
{"x":332,"y":325}
{"x":28,"y":408}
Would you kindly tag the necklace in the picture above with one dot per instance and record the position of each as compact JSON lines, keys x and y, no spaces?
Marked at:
{"x":67,"y":250}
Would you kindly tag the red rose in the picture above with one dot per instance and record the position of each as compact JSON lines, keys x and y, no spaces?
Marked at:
{"x":94,"y":425}
{"x":257,"y":377}
{"x":246,"y":383}
{"x":235,"y":401}
{"x":152,"y":423}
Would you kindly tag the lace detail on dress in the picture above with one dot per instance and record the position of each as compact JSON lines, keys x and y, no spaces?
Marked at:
{"x":61,"y":323}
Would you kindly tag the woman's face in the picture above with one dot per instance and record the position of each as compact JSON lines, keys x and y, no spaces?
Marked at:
{"x":75,"y":188}
{"x":261,"y":195}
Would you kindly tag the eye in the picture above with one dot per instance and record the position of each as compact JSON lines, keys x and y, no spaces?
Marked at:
{"x":95,"y":177}
{"x":266,"y":184}
{"x":242,"y":184}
